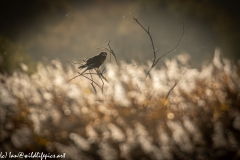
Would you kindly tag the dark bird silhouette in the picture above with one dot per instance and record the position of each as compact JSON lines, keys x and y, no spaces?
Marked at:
{"x":94,"y":62}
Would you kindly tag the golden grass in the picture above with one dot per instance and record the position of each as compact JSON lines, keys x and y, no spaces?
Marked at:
{"x":131,"y":119}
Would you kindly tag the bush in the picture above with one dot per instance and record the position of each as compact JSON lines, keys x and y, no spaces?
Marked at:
{"x":13,"y":57}
{"x":131,"y":119}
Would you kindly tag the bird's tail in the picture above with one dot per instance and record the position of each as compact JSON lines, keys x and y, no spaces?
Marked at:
{"x":82,"y":66}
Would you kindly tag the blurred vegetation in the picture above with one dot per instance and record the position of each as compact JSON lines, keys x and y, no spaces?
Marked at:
{"x":131,"y":120}
{"x":13,"y":57}
{"x":221,"y":15}
{"x":40,"y":24}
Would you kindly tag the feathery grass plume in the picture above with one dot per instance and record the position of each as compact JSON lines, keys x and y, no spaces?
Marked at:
{"x":199,"y":120}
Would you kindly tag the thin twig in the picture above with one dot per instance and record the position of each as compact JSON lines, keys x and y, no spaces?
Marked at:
{"x":80,"y":74}
{"x":74,"y":78}
{"x":104,"y":78}
{"x":113,"y":53}
{"x":74,"y":62}
{"x":110,"y":58}
{"x":108,"y":51}
{"x":139,"y":62}
{"x":155,"y":61}
{"x":174,"y":47}
{"x":153,"y":65}
{"x":170,"y":91}
{"x":176,"y":82}
{"x":104,"y":48}
{"x":148,"y":32}
{"x":92,"y":82}
{"x":104,"y":70}
{"x":99,"y":74}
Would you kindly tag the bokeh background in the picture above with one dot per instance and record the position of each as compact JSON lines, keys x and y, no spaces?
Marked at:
{"x":73,"y":30}
{"x":187,"y":108}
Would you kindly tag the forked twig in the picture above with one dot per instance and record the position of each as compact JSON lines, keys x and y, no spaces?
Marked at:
{"x":168,"y":51}
{"x":111,"y":52}
{"x":91,"y":80}
{"x":98,"y":72}
{"x":148,"y":32}
{"x":155,"y":60}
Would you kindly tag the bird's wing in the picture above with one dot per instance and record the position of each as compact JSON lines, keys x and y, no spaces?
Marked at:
{"x":92,"y":60}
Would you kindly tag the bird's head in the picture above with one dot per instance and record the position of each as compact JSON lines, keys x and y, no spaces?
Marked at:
{"x":103,"y":54}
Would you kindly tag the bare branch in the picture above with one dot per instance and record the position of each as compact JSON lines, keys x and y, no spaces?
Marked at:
{"x":171,"y":90}
{"x":99,"y":73}
{"x":110,"y":57}
{"x":85,"y":59}
{"x":111,"y":51}
{"x":92,"y":82}
{"x":139,"y":62}
{"x":104,"y":70}
{"x":140,"y":24}
{"x":74,"y":62}
{"x":104,"y":48}
{"x":81,"y":74}
{"x":104,"y":78}
{"x":176,"y":82}
{"x":155,"y":61}
{"x":74,"y":78}
{"x":148,"y":32}
{"x":173,"y":48}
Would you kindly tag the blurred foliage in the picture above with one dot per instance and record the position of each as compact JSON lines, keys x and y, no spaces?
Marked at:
{"x":13,"y":57}
{"x":221,"y":15}
{"x":131,"y":120}
{"x":49,"y":20}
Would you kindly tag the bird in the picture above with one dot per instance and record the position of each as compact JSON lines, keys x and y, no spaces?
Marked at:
{"x":94,"y":62}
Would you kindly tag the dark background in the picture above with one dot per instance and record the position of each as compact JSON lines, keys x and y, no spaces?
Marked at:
{"x":63,"y":29}
{"x":177,"y":113}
